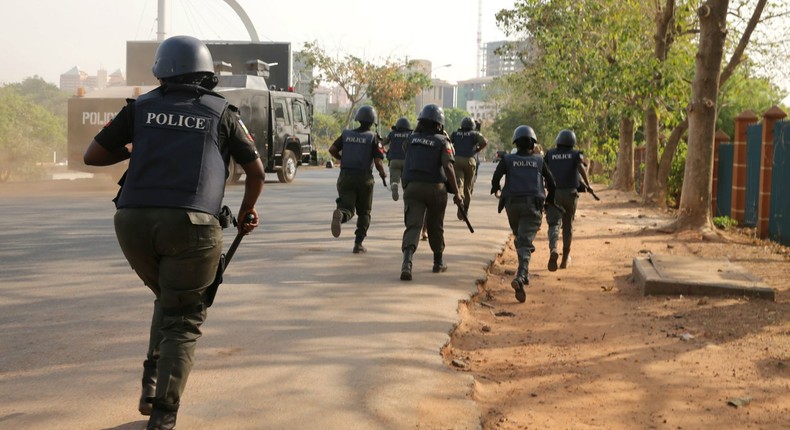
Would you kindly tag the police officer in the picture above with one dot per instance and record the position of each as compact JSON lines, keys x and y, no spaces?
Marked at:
{"x":523,"y":197}
{"x":468,"y":142}
{"x":396,"y":153}
{"x":183,"y":136}
{"x":427,"y":174}
{"x":567,"y":166}
{"x":357,"y":149}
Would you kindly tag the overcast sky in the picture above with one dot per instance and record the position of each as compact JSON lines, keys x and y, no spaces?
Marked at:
{"x":49,"y":37}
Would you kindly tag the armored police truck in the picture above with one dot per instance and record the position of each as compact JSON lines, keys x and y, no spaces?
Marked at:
{"x":279,"y":122}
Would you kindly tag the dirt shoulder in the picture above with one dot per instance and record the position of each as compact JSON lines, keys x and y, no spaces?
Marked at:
{"x":589,"y":351}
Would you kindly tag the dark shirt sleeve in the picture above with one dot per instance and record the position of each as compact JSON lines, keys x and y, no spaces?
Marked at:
{"x":235,"y":138}
{"x":448,"y":152}
{"x":338,"y":143}
{"x":378,"y":149}
{"x":117,"y":132}
{"x":500,"y":170}
{"x":548,"y":179}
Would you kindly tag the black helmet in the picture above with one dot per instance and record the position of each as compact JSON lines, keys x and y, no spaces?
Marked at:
{"x":181,"y":55}
{"x":523,"y":131}
{"x":566,"y":138}
{"x":403,"y":123}
{"x":432,"y":112}
{"x":467,"y":123}
{"x":366,"y":114}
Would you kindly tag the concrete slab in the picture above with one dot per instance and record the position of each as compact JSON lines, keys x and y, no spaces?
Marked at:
{"x":689,"y":275}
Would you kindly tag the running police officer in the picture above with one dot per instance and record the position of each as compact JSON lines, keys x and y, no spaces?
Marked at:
{"x":357,"y":149}
{"x":427,"y":174}
{"x":567,"y":167}
{"x":468,"y":142}
{"x":523,"y":198}
{"x":395,"y":152}
{"x":167,"y":225}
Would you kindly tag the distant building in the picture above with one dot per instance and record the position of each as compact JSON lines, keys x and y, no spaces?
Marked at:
{"x":472,"y":90}
{"x":116,"y":79}
{"x":72,"y":79}
{"x":76,"y":78}
{"x":502,"y":57}
{"x":440,"y":92}
{"x":324,"y":100}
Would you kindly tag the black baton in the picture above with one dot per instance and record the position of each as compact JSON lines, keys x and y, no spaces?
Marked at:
{"x":462,"y":211}
{"x":224,"y":261}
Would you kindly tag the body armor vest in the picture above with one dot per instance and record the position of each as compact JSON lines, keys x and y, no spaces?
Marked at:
{"x":424,"y":158}
{"x":524,"y":176}
{"x":357,"y":150}
{"x":464,"y":142}
{"x":396,"y":151}
{"x":563,"y":164}
{"x":176,"y":160}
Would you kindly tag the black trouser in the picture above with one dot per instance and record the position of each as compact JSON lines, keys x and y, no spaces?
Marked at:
{"x":424,"y":202}
{"x":355,"y":194}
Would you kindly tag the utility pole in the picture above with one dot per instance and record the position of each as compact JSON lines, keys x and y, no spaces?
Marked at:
{"x":479,"y":48}
{"x":160,"y":20}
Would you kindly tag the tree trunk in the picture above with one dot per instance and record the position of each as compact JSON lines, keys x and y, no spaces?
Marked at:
{"x":663,"y":38}
{"x":665,"y":166}
{"x":697,"y":179}
{"x":624,"y":170}
{"x":650,"y":176}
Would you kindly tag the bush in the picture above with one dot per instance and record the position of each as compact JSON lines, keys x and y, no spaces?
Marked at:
{"x":724,"y":222}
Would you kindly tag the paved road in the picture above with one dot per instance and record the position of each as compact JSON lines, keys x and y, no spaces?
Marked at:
{"x":304,"y":334}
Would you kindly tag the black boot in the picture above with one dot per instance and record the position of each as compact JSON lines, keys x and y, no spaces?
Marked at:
{"x":405,"y":268}
{"x":162,"y":419}
{"x":553,"y":256}
{"x":149,"y":387}
{"x":566,"y":260}
{"x":358,"y":248}
{"x":518,"y":284}
{"x":438,"y":264}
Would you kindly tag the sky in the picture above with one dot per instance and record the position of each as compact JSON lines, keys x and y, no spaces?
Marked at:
{"x":49,"y":37}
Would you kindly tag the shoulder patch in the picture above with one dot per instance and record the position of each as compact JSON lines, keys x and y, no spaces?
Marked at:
{"x":244,"y":128}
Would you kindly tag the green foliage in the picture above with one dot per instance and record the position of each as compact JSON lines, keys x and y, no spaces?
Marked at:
{"x":744,"y":92}
{"x":584,"y":83}
{"x":675,"y":180}
{"x":326,"y":128}
{"x":725,"y":222}
{"x":391,"y":86}
{"x":29,"y":133}
{"x":453,"y":118}
{"x":44,"y":94}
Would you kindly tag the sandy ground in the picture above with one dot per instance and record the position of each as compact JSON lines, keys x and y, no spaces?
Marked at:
{"x":589,"y":351}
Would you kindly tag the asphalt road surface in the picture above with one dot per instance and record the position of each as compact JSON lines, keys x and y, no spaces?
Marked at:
{"x":303,"y":334}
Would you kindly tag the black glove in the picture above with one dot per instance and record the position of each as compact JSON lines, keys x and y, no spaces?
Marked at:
{"x":494,"y":189}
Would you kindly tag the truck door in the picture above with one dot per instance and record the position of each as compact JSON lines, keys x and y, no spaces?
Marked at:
{"x":302,"y":128}
{"x":281,"y":128}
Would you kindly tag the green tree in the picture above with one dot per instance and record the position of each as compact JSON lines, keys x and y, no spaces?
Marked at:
{"x":390,"y":86}
{"x":29,"y":134}
{"x":326,"y":128}
{"x":591,"y":68}
{"x":44,"y":94}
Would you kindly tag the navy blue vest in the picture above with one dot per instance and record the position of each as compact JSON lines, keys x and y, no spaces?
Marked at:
{"x":396,"y":151}
{"x":176,"y":160}
{"x":465,"y":142}
{"x":424,"y":158}
{"x":563,"y":163}
{"x":523,"y":176}
{"x":357,"y":151}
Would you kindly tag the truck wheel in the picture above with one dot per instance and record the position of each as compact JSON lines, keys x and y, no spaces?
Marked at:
{"x":287,"y":173}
